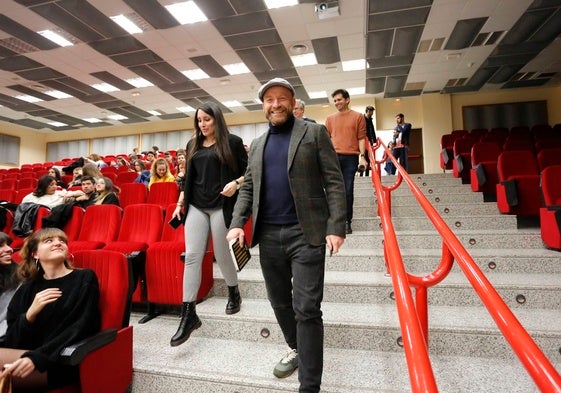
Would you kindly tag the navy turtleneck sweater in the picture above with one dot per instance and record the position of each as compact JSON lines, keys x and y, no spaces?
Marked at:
{"x":277,"y":206}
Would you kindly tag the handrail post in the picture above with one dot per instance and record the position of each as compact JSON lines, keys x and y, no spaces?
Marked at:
{"x":422,"y":305}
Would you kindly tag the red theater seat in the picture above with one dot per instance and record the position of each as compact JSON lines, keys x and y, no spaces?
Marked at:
{"x":163,"y":194}
{"x":126,"y":177}
{"x":446,"y":152}
{"x":548,"y":157}
{"x":164,"y":269}
{"x":550,"y":215}
{"x":100,"y":226}
{"x":462,"y":157}
{"x":105,"y":360}
{"x":518,"y":188}
{"x":484,"y":175}
{"x":132,"y":194}
{"x":141,"y":226}
{"x":74,"y":224}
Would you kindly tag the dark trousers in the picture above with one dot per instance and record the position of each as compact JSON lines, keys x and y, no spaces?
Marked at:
{"x":294,"y":275}
{"x":349,"y":165}
{"x":402,"y":154}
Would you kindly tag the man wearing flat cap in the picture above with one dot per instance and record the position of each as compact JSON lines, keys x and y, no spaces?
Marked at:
{"x":294,"y":192}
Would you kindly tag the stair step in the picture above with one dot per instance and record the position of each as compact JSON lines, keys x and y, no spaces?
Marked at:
{"x":470,"y":222}
{"x":206,"y":364}
{"x":490,"y":261}
{"x":365,"y":198}
{"x":528,"y":238}
{"x":539,"y":290}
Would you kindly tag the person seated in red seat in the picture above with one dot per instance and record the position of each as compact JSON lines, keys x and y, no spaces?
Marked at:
{"x":54,"y":172}
{"x":8,"y":280}
{"x":55,"y":306}
{"x":46,"y":193}
{"x":76,"y":178}
{"x":160,"y":173}
{"x":106,"y":192}
{"x":172,"y":162}
{"x":180,"y":175}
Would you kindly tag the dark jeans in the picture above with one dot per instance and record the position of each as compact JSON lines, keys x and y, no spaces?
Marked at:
{"x":349,"y":165}
{"x":294,"y":275}
{"x":402,"y":154}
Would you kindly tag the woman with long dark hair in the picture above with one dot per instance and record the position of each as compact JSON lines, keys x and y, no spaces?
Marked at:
{"x":8,"y":279}
{"x":215,"y":164}
{"x":55,"y":306}
{"x":47,"y":194}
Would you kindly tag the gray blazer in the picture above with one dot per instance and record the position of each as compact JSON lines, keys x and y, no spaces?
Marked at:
{"x":315,"y":181}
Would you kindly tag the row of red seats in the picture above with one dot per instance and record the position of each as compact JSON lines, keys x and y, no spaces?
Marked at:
{"x":161,"y":194}
{"x":484,"y":172}
{"x":517,"y":138}
{"x":139,"y":231}
{"x":17,"y":184}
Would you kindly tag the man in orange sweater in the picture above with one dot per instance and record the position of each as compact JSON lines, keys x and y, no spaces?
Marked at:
{"x":347,"y":130}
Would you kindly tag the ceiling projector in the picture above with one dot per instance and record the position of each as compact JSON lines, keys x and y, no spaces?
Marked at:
{"x":328,"y":9}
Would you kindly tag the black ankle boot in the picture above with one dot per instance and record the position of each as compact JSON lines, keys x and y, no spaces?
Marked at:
{"x":234,"y":300}
{"x":189,"y":322}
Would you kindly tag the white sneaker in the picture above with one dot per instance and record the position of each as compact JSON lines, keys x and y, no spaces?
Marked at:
{"x":287,"y":365}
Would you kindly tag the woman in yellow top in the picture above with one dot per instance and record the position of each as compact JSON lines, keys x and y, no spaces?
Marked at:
{"x":160,"y":172}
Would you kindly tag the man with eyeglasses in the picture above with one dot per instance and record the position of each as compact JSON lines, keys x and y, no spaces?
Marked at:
{"x":298,"y":111}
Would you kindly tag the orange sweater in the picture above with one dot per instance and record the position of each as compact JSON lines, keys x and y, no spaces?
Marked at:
{"x":346,"y":129}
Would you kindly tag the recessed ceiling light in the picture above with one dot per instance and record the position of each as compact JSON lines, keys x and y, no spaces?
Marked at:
{"x":186,"y":108}
{"x":356,"y":90}
{"x":186,"y":12}
{"x":29,"y":99}
{"x":280,"y":3}
{"x":92,"y":120}
{"x":127,"y":24}
{"x":154,"y":113}
{"x":232,"y":104}
{"x":105,"y":87}
{"x":195,"y":74}
{"x":237,"y":69}
{"x":304,"y":60}
{"x":139,"y":82}
{"x":55,"y":37}
{"x":135,"y":94}
{"x":57,"y":124}
{"x":58,"y":94}
{"x":353,"y":65}
{"x":117,"y":117}
{"x":317,"y":94}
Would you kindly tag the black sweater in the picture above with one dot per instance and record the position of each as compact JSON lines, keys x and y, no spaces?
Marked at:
{"x":71,"y":318}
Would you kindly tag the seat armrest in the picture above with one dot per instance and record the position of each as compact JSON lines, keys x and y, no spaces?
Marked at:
{"x":73,"y":354}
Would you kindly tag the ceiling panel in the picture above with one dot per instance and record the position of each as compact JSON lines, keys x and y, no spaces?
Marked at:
{"x":489,"y":44}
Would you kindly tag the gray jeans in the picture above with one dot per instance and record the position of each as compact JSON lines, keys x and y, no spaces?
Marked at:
{"x":199,"y":224}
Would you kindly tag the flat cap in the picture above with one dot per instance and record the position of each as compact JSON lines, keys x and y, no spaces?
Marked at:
{"x":274,"y":82}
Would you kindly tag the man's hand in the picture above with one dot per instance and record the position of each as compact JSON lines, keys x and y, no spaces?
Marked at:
{"x":236,"y":233}
{"x":334,"y":243}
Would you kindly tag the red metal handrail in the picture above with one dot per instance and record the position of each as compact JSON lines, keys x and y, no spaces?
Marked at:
{"x":413,"y":316}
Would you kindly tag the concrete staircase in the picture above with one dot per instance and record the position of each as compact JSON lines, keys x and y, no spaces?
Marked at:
{"x":362,"y":353}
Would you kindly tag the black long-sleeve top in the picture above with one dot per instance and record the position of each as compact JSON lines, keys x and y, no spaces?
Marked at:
{"x":71,"y":318}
